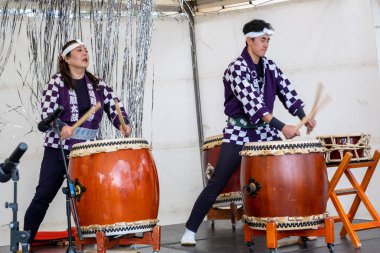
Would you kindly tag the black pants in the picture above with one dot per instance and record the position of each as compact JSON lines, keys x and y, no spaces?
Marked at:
{"x":228,"y":161}
{"x":51,"y":177}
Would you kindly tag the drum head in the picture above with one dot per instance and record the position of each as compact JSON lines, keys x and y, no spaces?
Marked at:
{"x":104,"y":146}
{"x":281,"y":148}
{"x":212,"y":141}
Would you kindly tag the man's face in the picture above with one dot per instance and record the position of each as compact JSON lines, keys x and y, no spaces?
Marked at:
{"x":259,"y":45}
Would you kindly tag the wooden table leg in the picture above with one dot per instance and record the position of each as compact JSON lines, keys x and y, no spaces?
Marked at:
{"x":346,"y":222}
{"x":101,"y":242}
{"x":272,"y":235}
{"x":156,"y":238}
{"x":329,"y":229}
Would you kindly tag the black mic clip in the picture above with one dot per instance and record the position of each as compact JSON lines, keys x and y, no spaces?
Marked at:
{"x":5,"y":177}
{"x":8,"y":169}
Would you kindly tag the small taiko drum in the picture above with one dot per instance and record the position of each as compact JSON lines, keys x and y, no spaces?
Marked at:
{"x":210,"y":154}
{"x":116,"y":186}
{"x":284,"y":182}
{"x":338,"y":145}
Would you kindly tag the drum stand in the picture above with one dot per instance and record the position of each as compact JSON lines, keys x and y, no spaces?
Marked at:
{"x":103,"y":242}
{"x":273,"y":235}
{"x":234,"y":213}
{"x":358,"y":190}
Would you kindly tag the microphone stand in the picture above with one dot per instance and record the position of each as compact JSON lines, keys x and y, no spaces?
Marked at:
{"x":17,"y":236}
{"x":70,"y":195}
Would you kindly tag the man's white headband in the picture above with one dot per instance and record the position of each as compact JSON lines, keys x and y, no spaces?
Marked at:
{"x":71,"y":47}
{"x":258,"y":34}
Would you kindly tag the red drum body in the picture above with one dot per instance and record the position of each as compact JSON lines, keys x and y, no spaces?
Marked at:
{"x":210,"y":154}
{"x":284,"y":182}
{"x":117,"y":186}
{"x":338,"y":145}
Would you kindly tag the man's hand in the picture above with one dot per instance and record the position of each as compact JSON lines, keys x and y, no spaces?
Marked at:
{"x":310,"y":124}
{"x":290,"y":131}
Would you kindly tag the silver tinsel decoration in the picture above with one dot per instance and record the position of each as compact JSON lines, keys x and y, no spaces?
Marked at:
{"x":8,"y":26}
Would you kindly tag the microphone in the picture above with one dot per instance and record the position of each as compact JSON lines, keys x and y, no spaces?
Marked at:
{"x":10,"y":163}
{"x":44,"y":124}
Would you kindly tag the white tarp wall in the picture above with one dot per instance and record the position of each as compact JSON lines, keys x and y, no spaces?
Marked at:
{"x":376,"y":22}
{"x":326,"y":41}
{"x":321,"y":40}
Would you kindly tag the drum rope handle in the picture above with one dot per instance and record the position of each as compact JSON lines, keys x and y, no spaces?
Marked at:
{"x":86,"y":116}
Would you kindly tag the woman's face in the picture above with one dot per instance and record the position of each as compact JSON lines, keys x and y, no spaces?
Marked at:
{"x":78,"y":58}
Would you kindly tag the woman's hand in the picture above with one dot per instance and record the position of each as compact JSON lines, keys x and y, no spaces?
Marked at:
{"x":126,"y":130}
{"x":66,"y":132}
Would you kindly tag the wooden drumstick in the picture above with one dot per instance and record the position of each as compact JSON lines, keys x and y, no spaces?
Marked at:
{"x":86,"y":116}
{"x":313,"y":112}
{"x":318,"y":95}
{"x":122,"y":122}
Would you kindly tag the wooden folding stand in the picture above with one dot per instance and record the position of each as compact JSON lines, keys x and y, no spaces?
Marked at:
{"x":234,"y":213}
{"x":273,"y":234}
{"x":358,"y":190}
{"x":103,"y":242}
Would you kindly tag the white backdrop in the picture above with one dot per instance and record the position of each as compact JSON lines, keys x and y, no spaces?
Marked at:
{"x":330,"y":41}
{"x":376,"y":22}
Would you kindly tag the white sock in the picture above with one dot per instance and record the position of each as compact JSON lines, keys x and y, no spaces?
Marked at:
{"x":188,"y":238}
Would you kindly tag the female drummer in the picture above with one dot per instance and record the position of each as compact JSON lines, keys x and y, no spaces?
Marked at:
{"x":251,"y":84}
{"x":76,"y":90}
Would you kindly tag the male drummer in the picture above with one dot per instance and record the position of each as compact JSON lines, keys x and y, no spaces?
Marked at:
{"x":251,"y":84}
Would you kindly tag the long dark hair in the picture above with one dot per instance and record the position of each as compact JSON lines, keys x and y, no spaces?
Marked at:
{"x":64,"y":69}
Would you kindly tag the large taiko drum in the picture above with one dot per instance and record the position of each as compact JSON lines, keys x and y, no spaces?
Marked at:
{"x":117,"y":186}
{"x":284,"y":182}
{"x":338,"y":145}
{"x":210,"y":153}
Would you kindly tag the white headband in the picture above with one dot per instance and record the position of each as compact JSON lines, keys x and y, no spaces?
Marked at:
{"x":258,"y":34}
{"x":71,"y":47}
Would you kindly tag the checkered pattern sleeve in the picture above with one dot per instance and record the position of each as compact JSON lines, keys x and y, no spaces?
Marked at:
{"x":109,"y":105}
{"x":238,"y":77}
{"x":50,"y":102}
{"x":285,"y":90}
{"x":50,"y":96}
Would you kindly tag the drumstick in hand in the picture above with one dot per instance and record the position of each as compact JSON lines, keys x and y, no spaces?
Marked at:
{"x":318,"y":95}
{"x":86,"y":116}
{"x":121,"y":119}
{"x":314,"y":111}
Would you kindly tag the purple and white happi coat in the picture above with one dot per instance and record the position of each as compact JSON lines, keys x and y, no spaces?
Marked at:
{"x":245,"y":99}
{"x":56,"y":93}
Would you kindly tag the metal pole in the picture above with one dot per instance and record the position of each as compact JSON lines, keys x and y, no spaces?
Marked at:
{"x":196,"y":82}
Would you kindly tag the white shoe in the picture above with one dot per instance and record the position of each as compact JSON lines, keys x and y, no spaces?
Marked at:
{"x":188,"y":238}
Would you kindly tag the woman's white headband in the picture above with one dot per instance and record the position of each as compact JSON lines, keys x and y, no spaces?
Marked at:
{"x":258,"y":34}
{"x":71,"y":47}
